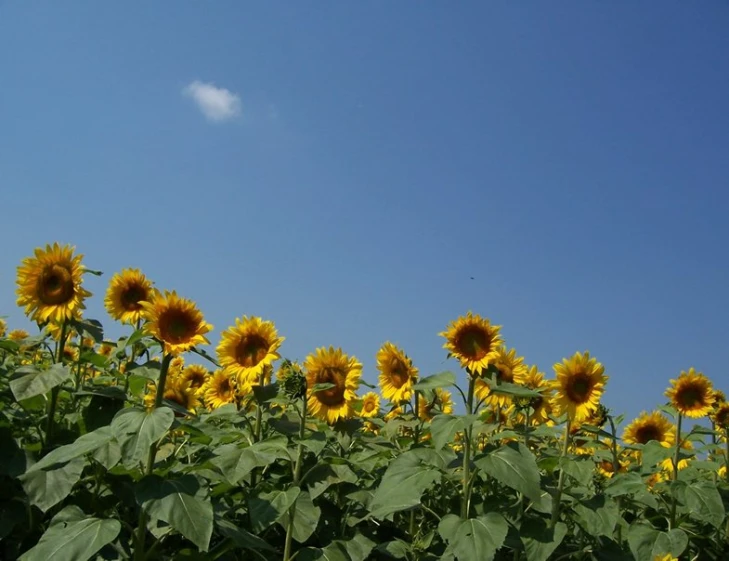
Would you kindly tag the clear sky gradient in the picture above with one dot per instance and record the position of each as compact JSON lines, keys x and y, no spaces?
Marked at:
{"x":571,"y":157}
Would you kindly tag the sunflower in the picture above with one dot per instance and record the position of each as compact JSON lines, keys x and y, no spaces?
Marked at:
{"x":248,"y":347}
{"x":650,"y":426}
{"x":511,"y":369}
{"x":683,"y":463}
{"x":606,"y":468}
{"x":541,"y":407}
{"x":579,"y":385}
{"x":691,"y":394}
{"x":49,"y":284}
{"x":397,"y":373}
{"x":3,"y":327}
{"x":195,"y":375}
{"x":218,"y":390}
{"x":441,"y":402}
{"x":105,"y":349}
{"x":473,"y":341}
{"x":71,"y":353}
{"x":177,"y":391}
{"x":332,"y":366}
{"x":244,"y":388}
{"x":721,"y":472}
{"x":127,"y":289}
{"x":176,"y":322}
{"x":720,"y":416}
{"x":177,"y":365}
{"x":719,"y":397}
{"x":394,"y":413}
{"x":18,"y":335}
{"x":370,"y":405}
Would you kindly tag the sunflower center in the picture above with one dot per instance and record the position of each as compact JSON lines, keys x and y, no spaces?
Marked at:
{"x":176,"y":326}
{"x":251,"y":350}
{"x":473,"y":342}
{"x":579,"y":388}
{"x":224,"y":389}
{"x":335,"y":395}
{"x":132,"y":297}
{"x":691,"y":396}
{"x":55,"y":286}
{"x":647,"y":433}
{"x":505,"y":374}
{"x":369,"y":406}
{"x":398,"y":373}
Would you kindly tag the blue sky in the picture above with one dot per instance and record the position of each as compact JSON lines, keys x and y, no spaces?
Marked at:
{"x":572,"y":157}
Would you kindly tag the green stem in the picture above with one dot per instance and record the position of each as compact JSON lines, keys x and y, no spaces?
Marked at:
{"x":141,"y":525}
{"x":467,"y":447}
{"x":259,"y":411}
{"x":616,"y":468}
{"x":297,"y":476}
{"x":51,"y":421}
{"x":672,"y":522}
{"x":560,"y":482}
{"x":132,"y":358}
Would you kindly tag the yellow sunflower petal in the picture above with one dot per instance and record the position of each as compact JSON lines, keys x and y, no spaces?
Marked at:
{"x":579,"y":386}
{"x":397,"y":373}
{"x":473,"y":341}
{"x":332,"y":366}
{"x":692,"y":394}
{"x":127,"y":290}
{"x":176,"y":322}
{"x":246,"y":348}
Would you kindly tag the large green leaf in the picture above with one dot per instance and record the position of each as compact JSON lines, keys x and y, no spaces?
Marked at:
{"x":356,"y":549}
{"x":242,"y":538}
{"x":320,"y":478}
{"x":83,"y":445}
{"x":235,"y":462}
{"x":32,"y":382}
{"x":73,"y":536}
{"x":306,"y":517}
{"x":597,"y":516}
{"x":513,"y":465}
{"x":539,"y":539}
{"x":405,"y":481}
{"x":136,"y":429}
{"x":704,"y":503}
{"x":581,"y":470}
{"x":267,"y":508}
{"x":625,"y":484}
{"x":440,"y":380}
{"x":443,"y":427}
{"x":475,"y":538}
{"x":183,"y":503}
{"x":47,"y":488}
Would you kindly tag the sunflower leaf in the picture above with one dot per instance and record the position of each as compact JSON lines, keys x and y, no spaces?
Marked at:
{"x":136,"y":429}
{"x":513,"y":465}
{"x":440,"y":380}
{"x":704,"y":503}
{"x":32,"y":382}
{"x":321,"y":387}
{"x":475,"y":538}
{"x":443,"y":427}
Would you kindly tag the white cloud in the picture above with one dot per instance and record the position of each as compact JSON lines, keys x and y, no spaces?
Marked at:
{"x":217,"y":104}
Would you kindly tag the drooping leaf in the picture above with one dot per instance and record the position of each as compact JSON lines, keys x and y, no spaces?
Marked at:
{"x":31,"y":382}
{"x":73,"y":536}
{"x":625,"y":484}
{"x":674,"y":542}
{"x":136,"y":429}
{"x":581,"y":470}
{"x":440,"y":380}
{"x":83,"y":445}
{"x":306,"y":517}
{"x":704,"y":503}
{"x":475,"y":538}
{"x":539,"y":539}
{"x":235,"y":462}
{"x":443,"y":427}
{"x":513,"y":465}
{"x":267,"y":508}
{"x":320,"y":478}
{"x":405,"y":481}
{"x":183,"y":503}
{"x":597,"y":516}
{"x":47,"y":488}
{"x":242,"y":538}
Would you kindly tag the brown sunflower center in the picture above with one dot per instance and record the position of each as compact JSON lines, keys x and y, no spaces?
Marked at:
{"x":132,"y":296}
{"x":196,"y":378}
{"x":224,"y":389}
{"x":369,"y":406}
{"x":399,"y":375}
{"x":647,"y":433}
{"x":473,"y":342}
{"x":177,"y":396}
{"x":177,"y":326}
{"x":690,"y":396}
{"x":579,"y":388}
{"x":505,"y":373}
{"x":335,"y":395}
{"x":722,"y":417}
{"x":251,"y":350}
{"x":56,"y":286}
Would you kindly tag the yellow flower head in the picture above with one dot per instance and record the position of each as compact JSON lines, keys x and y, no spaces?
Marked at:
{"x":176,"y":391}
{"x":650,"y":426}
{"x":218,"y":390}
{"x":511,"y":369}
{"x":195,"y":376}
{"x":721,"y":472}
{"x":541,"y":407}
{"x":49,"y":284}
{"x":248,"y":347}
{"x":473,"y":341}
{"x":397,"y":373}
{"x":105,"y":349}
{"x":177,"y":365}
{"x":3,"y":327}
{"x":176,"y":322}
{"x":579,"y":385}
{"x":719,"y":397}
{"x":127,"y":290}
{"x":441,"y":402}
{"x":720,"y":416}
{"x":18,"y":335}
{"x":332,"y":366}
{"x":691,"y":394}
{"x":370,"y":405}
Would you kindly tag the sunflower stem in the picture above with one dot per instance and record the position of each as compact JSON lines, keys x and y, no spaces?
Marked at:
{"x":132,"y":358}
{"x":417,"y":418}
{"x":467,"y":447}
{"x":616,"y":467}
{"x":259,"y":411}
{"x":142,"y":523}
{"x":560,"y":482}
{"x":51,"y":421}
{"x":297,"y":477}
{"x":672,"y":522}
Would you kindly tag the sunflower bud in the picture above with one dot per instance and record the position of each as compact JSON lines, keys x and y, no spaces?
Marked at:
{"x":293,"y":380}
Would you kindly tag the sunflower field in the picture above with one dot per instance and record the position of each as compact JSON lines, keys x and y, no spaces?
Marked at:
{"x":148,"y":447}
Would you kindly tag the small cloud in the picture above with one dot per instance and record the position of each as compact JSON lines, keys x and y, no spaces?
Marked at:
{"x":217,"y":104}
